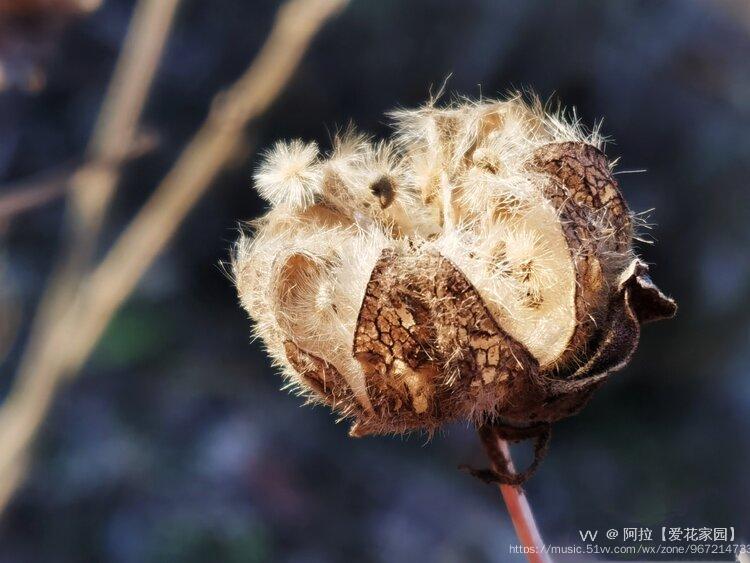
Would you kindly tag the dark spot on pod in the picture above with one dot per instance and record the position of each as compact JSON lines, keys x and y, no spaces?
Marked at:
{"x":384,"y":190}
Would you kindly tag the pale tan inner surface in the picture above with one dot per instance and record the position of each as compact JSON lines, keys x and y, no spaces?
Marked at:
{"x":522,"y":268}
{"x":497,"y":227}
{"x":319,"y":286}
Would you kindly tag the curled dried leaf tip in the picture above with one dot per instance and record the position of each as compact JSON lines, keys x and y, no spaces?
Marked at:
{"x":478,"y":266}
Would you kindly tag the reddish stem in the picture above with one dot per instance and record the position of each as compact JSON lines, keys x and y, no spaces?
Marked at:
{"x":518,"y":507}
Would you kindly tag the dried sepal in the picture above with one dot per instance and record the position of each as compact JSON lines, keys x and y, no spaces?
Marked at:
{"x":500,"y":471}
{"x":646,"y":300}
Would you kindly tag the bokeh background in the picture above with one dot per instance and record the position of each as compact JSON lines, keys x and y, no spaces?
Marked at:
{"x":176,"y":444}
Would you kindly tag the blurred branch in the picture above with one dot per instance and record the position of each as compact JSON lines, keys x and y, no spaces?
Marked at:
{"x":34,"y":192}
{"x":113,"y":137}
{"x":73,"y":335}
{"x":12,"y":478}
{"x":211,"y":147}
{"x":45,"y":187}
{"x":115,"y":129}
{"x":91,"y":186}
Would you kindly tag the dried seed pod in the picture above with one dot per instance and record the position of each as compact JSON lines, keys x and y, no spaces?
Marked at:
{"x":479,"y":267}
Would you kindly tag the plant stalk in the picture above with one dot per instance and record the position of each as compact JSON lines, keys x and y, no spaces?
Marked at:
{"x":518,"y":505}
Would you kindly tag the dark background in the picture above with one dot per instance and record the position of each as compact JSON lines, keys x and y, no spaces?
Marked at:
{"x":175,"y":444}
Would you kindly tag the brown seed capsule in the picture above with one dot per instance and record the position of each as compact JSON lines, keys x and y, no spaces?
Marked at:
{"x":479,"y":267}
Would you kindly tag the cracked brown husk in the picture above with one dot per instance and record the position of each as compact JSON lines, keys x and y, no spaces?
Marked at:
{"x":479,"y":266}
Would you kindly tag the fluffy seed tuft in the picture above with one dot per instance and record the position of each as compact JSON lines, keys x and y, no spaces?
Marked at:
{"x":289,"y":174}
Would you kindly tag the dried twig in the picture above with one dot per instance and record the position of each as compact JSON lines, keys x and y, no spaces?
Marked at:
{"x":211,"y":147}
{"x":45,"y":187}
{"x":81,"y":323}
{"x":116,"y":127}
{"x":33,"y":192}
{"x":113,"y":138}
{"x":92,"y":184}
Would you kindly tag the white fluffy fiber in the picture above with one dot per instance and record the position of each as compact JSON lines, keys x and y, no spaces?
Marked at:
{"x":289,"y":174}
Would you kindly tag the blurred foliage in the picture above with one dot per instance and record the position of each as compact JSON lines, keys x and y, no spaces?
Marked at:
{"x":136,"y":334}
